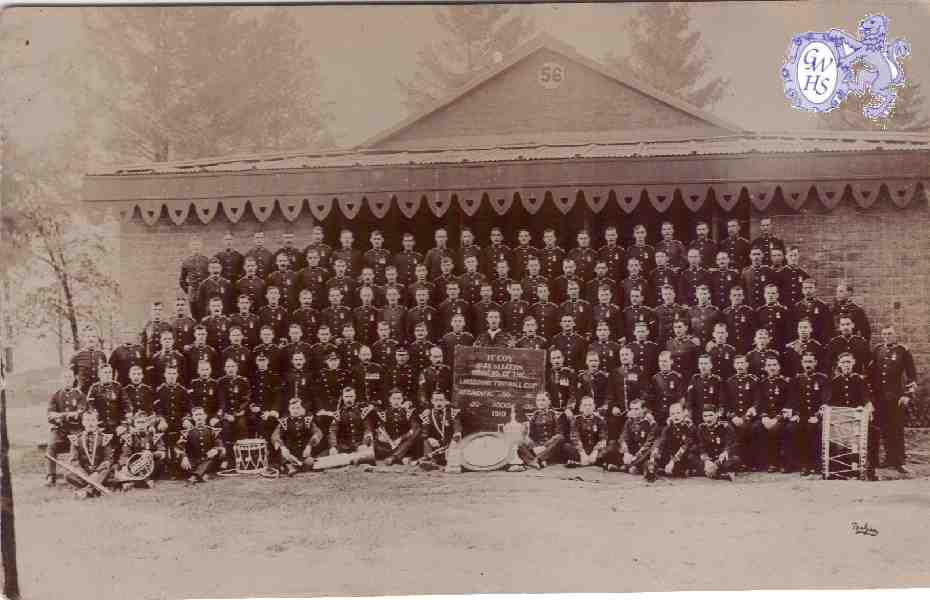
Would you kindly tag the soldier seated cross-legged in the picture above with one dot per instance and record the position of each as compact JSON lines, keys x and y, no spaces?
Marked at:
{"x":543,"y":438}
{"x":672,"y":453}
{"x":200,"y":448}
{"x":398,"y":430}
{"x":588,"y":437}
{"x":441,"y":425}
{"x":295,"y":437}
{"x":637,"y":439}
{"x":92,"y":458}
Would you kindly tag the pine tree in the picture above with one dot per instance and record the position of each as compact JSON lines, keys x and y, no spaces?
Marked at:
{"x":475,"y":33}
{"x":182,"y":82}
{"x":666,"y":54}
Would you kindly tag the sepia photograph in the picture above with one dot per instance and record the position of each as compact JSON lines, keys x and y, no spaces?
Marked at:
{"x":369,"y":299}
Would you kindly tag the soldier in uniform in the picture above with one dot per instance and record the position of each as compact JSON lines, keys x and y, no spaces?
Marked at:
{"x":164,"y":358}
{"x":705,"y":389}
{"x":230,"y":259}
{"x":560,"y":284}
{"x":640,"y":250}
{"x":247,"y":322}
{"x":92,"y":455}
{"x":300,"y":383}
{"x":402,"y":375}
{"x":140,"y":437}
{"x":407,"y":259}
{"x":573,"y":346}
{"x":543,"y":437}
{"x":600,"y":279}
{"x":182,"y":325}
{"x":587,"y":438}
{"x":457,"y":337}
{"x":849,"y":389}
{"x":645,"y":351}
{"x":814,"y":310}
{"x":545,"y":312}
{"x":716,"y":446}
{"x":761,"y":351}
{"x":533,"y":279}
{"x":348,"y":347}
{"x":812,"y":389}
{"x":667,"y":313}
{"x":274,"y":315}
{"x":755,"y":277}
{"x":672,"y":451}
{"x":803,"y":344}
{"x":365,"y":317}
{"x":673,"y":250}
{"x":420,"y":281}
{"x":419,"y":349}
{"x":377,"y":258}
{"x":398,"y":430}
{"x":351,"y":431}
{"x":368,"y":378}
{"x":613,"y":254}
{"x":199,"y":351}
{"x":789,"y":277}
{"x":741,"y":321}
{"x":692,"y":277}
{"x":894,"y":381}
{"x":332,"y":381}
{"x":450,"y":307}
{"x":204,"y":393}
{"x":766,"y":242}
{"x":605,"y":311}
{"x":172,"y":405}
{"x":667,"y":387}
{"x":494,"y":336}
{"x":740,"y":394}
{"x":703,"y":317}
{"x":214,"y":286}
{"x":583,"y":255}
{"x":501,"y":282}
{"x":637,"y":439}
{"x":312,"y":278}
{"x":627,"y":382}
{"x":141,"y":398}
{"x":151,"y":333}
{"x":437,"y":376}
{"x":264,"y":260}
{"x":343,"y":282}
{"x":722,"y":280}
{"x":635,"y":280}
{"x":594,"y":382}
{"x":772,"y":411}
{"x":705,"y":246}
{"x":435,"y":254}
{"x":773,"y":317}
{"x":352,"y":257}
{"x":607,"y":350}
{"x":286,"y":281}
{"x":561,"y":387}
{"x":467,"y":248}
{"x":422,"y":312}
{"x":86,"y":361}
{"x":64,"y":419}
{"x":251,"y":285}
{"x":324,"y":250}
{"x":848,"y":342}
{"x":721,"y":353}
{"x":736,"y":246}
{"x":577,"y":308}
{"x":125,"y":356}
{"x":515,"y":310}
{"x":394,"y":314}
{"x":234,"y":392}
{"x":663,"y":275}
{"x":522,"y":253}
{"x":294,"y":438}
{"x":441,"y":424}
{"x":550,"y":255}
{"x":107,"y":400}
{"x":441,"y":282}
{"x":238,"y":352}
{"x":844,"y":306}
{"x":382,"y":351}
{"x":684,"y":350}
{"x":199,"y":448}
{"x":217,"y":324}
{"x":636,"y":312}
{"x":268,"y":403}
{"x":193,"y":271}
{"x":472,"y":281}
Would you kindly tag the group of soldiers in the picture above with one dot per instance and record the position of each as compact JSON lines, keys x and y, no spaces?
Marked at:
{"x":323,"y":351}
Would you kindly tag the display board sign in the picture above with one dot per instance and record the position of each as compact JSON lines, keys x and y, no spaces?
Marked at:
{"x":488,"y":382}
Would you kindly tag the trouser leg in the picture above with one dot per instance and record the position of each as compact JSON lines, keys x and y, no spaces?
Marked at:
{"x":58,"y":442}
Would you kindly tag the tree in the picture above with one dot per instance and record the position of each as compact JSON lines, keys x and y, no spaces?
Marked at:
{"x":910,"y":113}
{"x":666,"y":54}
{"x":183,"y":82}
{"x":475,"y":32}
{"x":61,"y":274}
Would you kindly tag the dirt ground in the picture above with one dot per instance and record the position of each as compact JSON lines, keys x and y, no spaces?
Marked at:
{"x":401,"y":531}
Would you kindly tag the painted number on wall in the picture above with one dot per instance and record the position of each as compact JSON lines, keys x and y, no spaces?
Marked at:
{"x":551,"y":75}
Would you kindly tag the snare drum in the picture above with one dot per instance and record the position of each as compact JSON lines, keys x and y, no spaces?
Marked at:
{"x":844,"y":442}
{"x":251,"y":455}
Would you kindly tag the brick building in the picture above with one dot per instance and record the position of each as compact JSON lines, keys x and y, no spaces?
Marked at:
{"x":552,"y":138}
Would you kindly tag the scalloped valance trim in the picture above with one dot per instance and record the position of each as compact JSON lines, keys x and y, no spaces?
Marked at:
{"x":628,"y":197}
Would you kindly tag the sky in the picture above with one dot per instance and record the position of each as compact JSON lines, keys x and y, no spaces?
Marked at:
{"x":363,"y":50}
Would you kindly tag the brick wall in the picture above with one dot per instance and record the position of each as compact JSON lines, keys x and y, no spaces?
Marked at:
{"x":514,"y":105}
{"x":883,"y":251}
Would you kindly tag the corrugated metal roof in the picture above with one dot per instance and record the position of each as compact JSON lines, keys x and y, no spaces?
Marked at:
{"x":552,"y":150}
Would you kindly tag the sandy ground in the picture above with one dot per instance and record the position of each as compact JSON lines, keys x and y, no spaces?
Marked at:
{"x":401,"y":531}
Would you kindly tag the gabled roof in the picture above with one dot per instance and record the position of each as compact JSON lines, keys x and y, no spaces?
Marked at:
{"x":546,"y":41}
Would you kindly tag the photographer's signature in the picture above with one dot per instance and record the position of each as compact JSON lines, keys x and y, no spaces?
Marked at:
{"x":863,"y":528}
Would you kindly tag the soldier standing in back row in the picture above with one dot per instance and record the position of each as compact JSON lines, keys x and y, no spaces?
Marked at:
{"x":894,"y":380}
{"x":766,"y":241}
{"x":193,"y":271}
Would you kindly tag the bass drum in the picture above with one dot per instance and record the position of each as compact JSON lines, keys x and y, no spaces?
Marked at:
{"x":485,"y":451}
